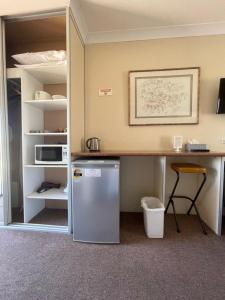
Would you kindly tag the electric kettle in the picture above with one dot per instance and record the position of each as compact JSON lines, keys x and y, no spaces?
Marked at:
{"x":93,"y":144}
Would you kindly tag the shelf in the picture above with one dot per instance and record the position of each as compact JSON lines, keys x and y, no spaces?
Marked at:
{"x":51,"y":74}
{"x":46,"y":166}
{"x":50,"y":105}
{"x":54,"y":194}
{"x":47,"y":134}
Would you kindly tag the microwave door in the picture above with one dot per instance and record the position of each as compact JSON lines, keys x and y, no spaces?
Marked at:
{"x":53,"y":154}
{"x":48,"y":154}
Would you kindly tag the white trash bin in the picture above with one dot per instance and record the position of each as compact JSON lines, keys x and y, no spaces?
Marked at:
{"x":153,"y":217}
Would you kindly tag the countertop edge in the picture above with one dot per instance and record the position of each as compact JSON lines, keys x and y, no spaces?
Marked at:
{"x":147,"y":153}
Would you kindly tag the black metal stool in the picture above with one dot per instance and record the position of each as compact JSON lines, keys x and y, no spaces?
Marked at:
{"x":192,"y":169}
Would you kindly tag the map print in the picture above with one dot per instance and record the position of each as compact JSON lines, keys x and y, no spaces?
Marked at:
{"x":163,"y":96}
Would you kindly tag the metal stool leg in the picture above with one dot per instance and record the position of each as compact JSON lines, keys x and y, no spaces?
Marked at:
{"x":175,"y":216}
{"x":168,"y":204}
{"x":172,"y":202}
{"x":200,"y":220}
{"x":194,"y":205}
{"x":173,"y":191}
{"x":197,"y":194}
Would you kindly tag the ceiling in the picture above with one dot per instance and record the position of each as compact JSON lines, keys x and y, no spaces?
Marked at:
{"x":116,"y":20}
{"x":15,"y":7}
{"x":103,"y":21}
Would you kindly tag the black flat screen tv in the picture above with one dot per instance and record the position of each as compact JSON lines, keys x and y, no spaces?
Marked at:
{"x":221,"y":97}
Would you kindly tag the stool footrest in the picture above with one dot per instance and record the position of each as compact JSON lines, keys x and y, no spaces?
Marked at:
{"x":184,"y":197}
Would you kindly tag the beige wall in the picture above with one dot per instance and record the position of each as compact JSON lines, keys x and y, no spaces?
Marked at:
{"x":107,"y":65}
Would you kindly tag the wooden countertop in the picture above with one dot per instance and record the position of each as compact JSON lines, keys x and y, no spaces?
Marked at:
{"x":147,"y":153}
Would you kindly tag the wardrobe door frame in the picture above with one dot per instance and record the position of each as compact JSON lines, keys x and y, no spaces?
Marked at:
{"x":5,"y":157}
{"x":69,"y":175}
{"x":76,"y":95}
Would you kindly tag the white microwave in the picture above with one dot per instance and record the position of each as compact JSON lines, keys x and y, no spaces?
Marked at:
{"x":51,"y":154}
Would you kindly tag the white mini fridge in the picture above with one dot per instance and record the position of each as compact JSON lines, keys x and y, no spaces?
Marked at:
{"x":96,"y":200}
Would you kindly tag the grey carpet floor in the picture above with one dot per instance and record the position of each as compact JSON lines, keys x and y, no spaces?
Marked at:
{"x":51,"y":217}
{"x":40,"y":266}
{"x":46,"y":216}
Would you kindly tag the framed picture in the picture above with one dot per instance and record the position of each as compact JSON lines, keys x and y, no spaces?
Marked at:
{"x":164,"y":96}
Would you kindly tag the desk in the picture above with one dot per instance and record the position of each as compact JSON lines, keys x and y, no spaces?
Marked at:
{"x":161,"y":179}
{"x":150,"y":153}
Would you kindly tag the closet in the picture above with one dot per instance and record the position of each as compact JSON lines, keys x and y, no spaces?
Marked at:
{"x":45,"y":119}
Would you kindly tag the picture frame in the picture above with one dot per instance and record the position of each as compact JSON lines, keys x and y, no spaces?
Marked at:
{"x":164,"y":96}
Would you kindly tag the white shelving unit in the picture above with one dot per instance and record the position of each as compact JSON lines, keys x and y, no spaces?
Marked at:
{"x":46,"y":166}
{"x":59,"y":104}
{"x":49,"y":74}
{"x":53,"y":194}
{"x":46,"y":133}
{"x":38,"y":115}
